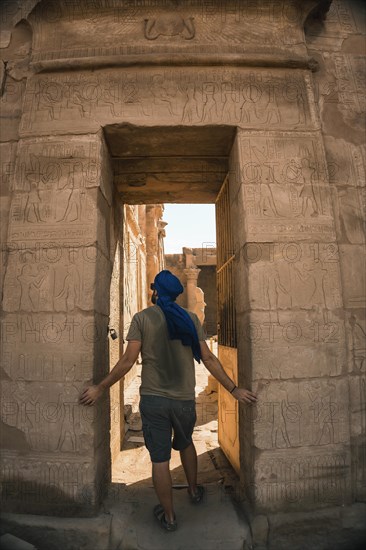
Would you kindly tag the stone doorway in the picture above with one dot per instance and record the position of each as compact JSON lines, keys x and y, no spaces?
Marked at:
{"x":175,"y":165}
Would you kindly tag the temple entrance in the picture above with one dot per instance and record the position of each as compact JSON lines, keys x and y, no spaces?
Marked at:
{"x":172,"y":165}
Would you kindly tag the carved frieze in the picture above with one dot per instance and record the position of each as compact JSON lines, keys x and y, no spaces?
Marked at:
{"x":195,"y":27}
{"x":241,"y":97}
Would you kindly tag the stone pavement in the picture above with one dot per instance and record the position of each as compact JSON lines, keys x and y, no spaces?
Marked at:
{"x":215,"y":523}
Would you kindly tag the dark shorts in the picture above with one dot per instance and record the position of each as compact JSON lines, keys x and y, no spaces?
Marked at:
{"x":163,"y":417}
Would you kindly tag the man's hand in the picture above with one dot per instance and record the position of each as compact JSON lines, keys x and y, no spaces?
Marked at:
{"x":212,"y":364}
{"x":91,"y":394}
{"x":245,"y":396}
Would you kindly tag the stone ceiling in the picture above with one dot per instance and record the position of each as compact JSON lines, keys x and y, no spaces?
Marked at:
{"x":169,"y":164}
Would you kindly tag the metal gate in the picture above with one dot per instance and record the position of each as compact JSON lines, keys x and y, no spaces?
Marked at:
{"x":228,"y":426}
{"x":225,"y":273}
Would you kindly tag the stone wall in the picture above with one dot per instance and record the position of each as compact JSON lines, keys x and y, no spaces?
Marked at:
{"x":294,"y":105}
{"x":116,"y":345}
{"x":338,"y":45}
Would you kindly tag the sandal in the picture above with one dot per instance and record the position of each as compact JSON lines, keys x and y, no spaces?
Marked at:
{"x":198,"y":496}
{"x":160,"y":516}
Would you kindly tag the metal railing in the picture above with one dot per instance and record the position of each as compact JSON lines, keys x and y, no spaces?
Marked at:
{"x":225,"y":270}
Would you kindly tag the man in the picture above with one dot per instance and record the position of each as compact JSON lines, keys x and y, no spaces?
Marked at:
{"x":169,"y":338}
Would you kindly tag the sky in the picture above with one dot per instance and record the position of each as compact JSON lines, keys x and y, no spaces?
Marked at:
{"x":190,"y":225}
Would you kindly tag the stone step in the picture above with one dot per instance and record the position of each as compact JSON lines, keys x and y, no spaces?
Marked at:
{"x":216,"y":523}
{"x":128,"y":523}
{"x":10,"y":542}
{"x":55,"y":533}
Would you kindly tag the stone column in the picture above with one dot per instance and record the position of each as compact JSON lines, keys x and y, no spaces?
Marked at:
{"x":55,"y":453}
{"x":295,"y":443}
{"x":161,"y":237}
{"x":154,"y":213}
{"x":191,"y":274}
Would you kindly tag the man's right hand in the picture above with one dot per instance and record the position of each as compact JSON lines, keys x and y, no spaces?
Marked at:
{"x":245,"y":396}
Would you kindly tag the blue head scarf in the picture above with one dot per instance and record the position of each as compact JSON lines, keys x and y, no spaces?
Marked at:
{"x":180,"y":324}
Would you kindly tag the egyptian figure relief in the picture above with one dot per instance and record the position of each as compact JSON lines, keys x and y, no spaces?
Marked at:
{"x":296,"y":276}
{"x":46,"y":359}
{"x":248,"y":98}
{"x":55,"y":197}
{"x":44,"y":423}
{"x":54,"y":278}
{"x":301,"y":414}
{"x":283,"y":177}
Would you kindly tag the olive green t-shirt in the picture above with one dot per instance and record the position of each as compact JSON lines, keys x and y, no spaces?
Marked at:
{"x":167,"y":365}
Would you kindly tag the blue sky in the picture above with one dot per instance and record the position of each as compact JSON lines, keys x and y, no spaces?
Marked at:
{"x":188,"y":225}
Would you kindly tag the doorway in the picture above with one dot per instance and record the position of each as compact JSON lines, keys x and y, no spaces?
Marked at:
{"x":180,"y":165}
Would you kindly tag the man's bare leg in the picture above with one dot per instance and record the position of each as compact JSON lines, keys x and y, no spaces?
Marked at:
{"x":189,"y":461}
{"x":163,"y":487}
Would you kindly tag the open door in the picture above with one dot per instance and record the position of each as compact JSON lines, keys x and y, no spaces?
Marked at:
{"x":228,"y":421}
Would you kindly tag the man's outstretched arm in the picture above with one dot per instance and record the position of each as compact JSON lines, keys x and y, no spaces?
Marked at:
{"x":214,"y":366}
{"x":125,"y":363}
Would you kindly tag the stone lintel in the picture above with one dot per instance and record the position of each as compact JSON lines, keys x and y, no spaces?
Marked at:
{"x":175,"y":60}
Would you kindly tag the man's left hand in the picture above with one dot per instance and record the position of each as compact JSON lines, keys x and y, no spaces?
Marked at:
{"x":90,"y":395}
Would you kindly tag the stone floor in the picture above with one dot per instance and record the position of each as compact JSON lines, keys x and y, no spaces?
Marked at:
{"x":127,"y":522}
{"x":217,"y":522}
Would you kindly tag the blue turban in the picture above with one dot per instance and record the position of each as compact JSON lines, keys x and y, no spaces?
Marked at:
{"x":180,"y":324}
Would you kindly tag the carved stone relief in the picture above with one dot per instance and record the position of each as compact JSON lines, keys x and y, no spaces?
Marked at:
{"x":248,"y":98}
{"x":169,"y":25}
{"x":301,"y":414}
{"x":294,"y":344}
{"x":48,"y":481}
{"x":290,"y":480}
{"x":55,"y":279}
{"x":297,"y":275}
{"x":205,"y":26}
{"x":284,"y":187}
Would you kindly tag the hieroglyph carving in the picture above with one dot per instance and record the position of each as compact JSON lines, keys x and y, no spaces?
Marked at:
{"x":194,"y":27}
{"x":357,"y":344}
{"x":53,"y":278}
{"x":305,"y":276}
{"x":55,"y":195}
{"x":288,"y":481}
{"x":342,"y":85}
{"x":285,"y":187}
{"x":54,"y":479}
{"x":301,"y":414}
